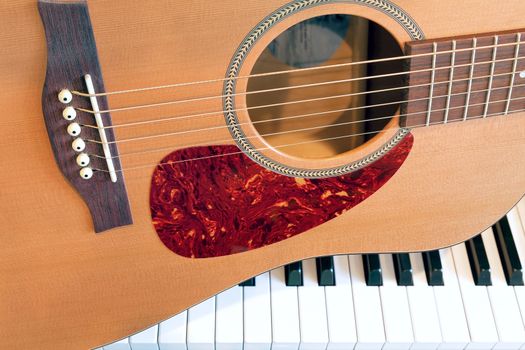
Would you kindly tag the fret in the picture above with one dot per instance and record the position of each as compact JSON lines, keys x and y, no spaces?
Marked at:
{"x":471,"y":76}
{"x":457,"y":79}
{"x":514,"y":71}
{"x":432,"y":81}
{"x":491,"y":78}
{"x":450,"y":80}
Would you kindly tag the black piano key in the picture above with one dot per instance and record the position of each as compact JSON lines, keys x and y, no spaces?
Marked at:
{"x":248,"y":283}
{"x":403,"y":269}
{"x":373,"y":273}
{"x":508,"y":252}
{"x":325,"y":271}
{"x":433,"y":268}
{"x":479,"y":263}
{"x":293,"y":274}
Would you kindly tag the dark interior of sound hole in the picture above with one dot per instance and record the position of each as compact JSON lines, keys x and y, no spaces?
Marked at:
{"x":325,"y":119}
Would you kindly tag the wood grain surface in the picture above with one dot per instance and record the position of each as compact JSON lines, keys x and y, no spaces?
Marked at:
{"x":64,"y":287}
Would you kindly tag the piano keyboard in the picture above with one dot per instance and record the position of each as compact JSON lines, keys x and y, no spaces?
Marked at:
{"x":470,"y":296}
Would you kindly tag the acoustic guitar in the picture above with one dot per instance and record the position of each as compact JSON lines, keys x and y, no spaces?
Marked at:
{"x":156,"y":153}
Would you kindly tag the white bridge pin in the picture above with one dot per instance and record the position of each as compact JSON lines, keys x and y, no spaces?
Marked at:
{"x":86,"y":173}
{"x":522,"y":74}
{"x":83,"y":159}
{"x":65,"y":96}
{"x":69,"y":113}
{"x":74,"y":129}
{"x":78,"y":145}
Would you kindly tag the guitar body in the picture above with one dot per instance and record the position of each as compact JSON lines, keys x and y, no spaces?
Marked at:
{"x":63,"y":286}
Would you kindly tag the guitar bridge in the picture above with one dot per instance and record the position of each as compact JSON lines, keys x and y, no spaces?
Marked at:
{"x":78,"y":125}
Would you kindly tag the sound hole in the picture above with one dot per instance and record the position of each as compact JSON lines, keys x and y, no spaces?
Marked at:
{"x":337,"y":117}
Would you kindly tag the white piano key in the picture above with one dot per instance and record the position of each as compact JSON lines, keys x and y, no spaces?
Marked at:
{"x":285,"y":313}
{"x":423,"y":311}
{"x":145,"y":340}
{"x":312,"y":310}
{"x":367,"y":307}
{"x":172,"y":332}
{"x":519,"y":210}
{"x":396,"y":311}
{"x":454,"y":328}
{"x":476,"y":303}
{"x":201,"y":326}
{"x":340,"y":308}
{"x":228,"y":319}
{"x":257,"y":315}
{"x":516,"y":219}
{"x":505,"y":307}
{"x":122,"y":344}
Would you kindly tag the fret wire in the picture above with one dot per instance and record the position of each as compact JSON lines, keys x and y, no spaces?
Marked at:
{"x":492,"y":68}
{"x":471,"y":75}
{"x":433,"y":78}
{"x":451,"y":76}
{"x":514,"y":71}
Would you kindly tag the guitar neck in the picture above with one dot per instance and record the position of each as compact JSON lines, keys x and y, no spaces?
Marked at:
{"x":462,"y":78}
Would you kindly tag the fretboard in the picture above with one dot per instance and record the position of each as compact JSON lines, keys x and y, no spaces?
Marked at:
{"x":464,"y":78}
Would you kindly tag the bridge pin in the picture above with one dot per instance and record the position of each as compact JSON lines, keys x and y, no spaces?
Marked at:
{"x":65,"y":96}
{"x":74,"y":129}
{"x":69,"y":113}
{"x":86,"y":173}
{"x":83,"y":159}
{"x":79,"y":145}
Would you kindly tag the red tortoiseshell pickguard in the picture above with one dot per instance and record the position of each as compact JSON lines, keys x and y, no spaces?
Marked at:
{"x":225,"y":203}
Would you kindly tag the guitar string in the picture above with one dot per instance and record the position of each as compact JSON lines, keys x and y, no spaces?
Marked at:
{"x":453,"y":66}
{"x":390,"y":116}
{"x":339,"y":65}
{"x":293,"y":130}
{"x":324,"y":139}
{"x":288,"y":145}
{"x":126,"y":154}
{"x":221,"y":113}
{"x":219,"y":127}
{"x":208,"y":98}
